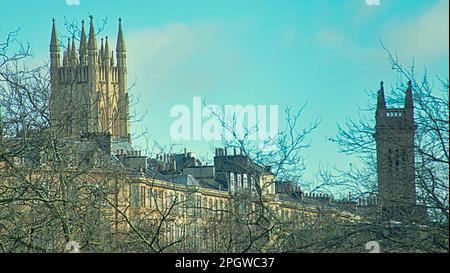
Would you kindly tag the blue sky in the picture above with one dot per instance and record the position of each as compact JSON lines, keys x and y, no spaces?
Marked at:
{"x":326,"y":53}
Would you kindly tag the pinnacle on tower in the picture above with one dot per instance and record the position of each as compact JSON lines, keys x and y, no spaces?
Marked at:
{"x":69,"y":49}
{"x":120,"y":40}
{"x":67,"y":54}
{"x":92,"y":43}
{"x":100,"y":55}
{"x":106,"y":52}
{"x":381,"y":103}
{"x":112,"y":58}
{"x":83,"y":44}
{"x":54,"y":45}
{"x":54,"y":49}
{"x":65,"y":59}
{"x":73,"y":54}
{"x":409,"y":103}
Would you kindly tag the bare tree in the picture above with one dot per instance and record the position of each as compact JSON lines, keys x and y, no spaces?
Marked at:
{"x":50,"y":193}
{"x":431,"y":149}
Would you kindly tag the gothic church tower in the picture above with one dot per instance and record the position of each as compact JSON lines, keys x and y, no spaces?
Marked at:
{"x":88,"y":90}
{"x":394,"y":137}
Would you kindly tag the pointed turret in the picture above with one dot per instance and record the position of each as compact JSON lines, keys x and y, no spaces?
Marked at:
{"x":83,"y":45}
{"x":68,"y":53}
{"x":120,"y":40}
{"x":73,"y":53}
{"x":100,"y":54}
{"x":123,"y":114}
{"x":121,"y":50}
{"x":409,"y":102}
{"x":381,"y":103}
{"x":112,"y":59}
{"x":381,"y":111}
{"x":92,"y":44}
{"x":65,"y":59}
{"x":54,"y":45}
{"x":55,"y":61}
{"x":409,"y":106}
{"x":106,"y":52}
{"x":92,"y":48}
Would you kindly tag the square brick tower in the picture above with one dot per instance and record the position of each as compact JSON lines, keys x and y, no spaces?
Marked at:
{"x":394,"y":135}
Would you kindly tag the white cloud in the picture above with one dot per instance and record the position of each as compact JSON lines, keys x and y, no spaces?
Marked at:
{"x":73,"y":2}
{"x":338,"y":46}
{"x":423,"y":37}
{"x":170,"y":42}
{"x":172,"y":63}
{"x":179,"y":59}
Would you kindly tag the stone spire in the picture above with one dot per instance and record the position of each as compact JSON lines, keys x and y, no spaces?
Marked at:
{"x":123,"y":114}
{"x":106,"y":52}
{"x":83,"y":45}
{"x":112,"y":58}
{"x":120,"y":40}
{"x":54,"y":45}
{"x":409,"y":107}
{"x":73,"y":53}
{"x":65,"y":59}
{"x":100,"y":54}
{"x":92,"y":44}
{"x":55,"y":59}
{"x":381,"y":103}
{"x":92,"y":49}
{"x":409,"y":102}
{"x":68,"y":53}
